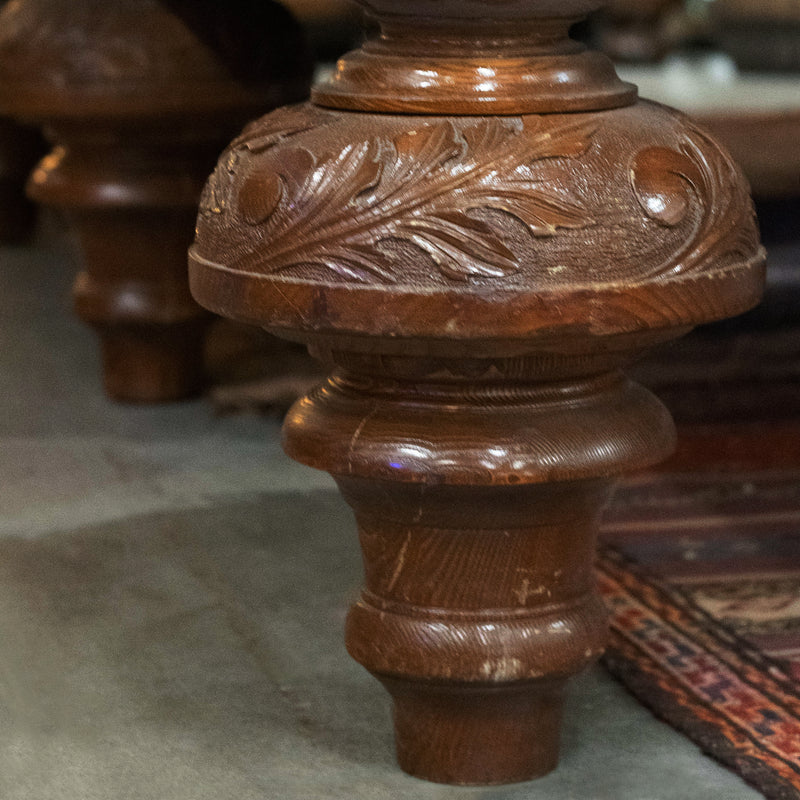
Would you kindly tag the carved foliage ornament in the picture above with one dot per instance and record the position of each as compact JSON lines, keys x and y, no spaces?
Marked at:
{"x":337,"y":208}
{"x":340,"y":207}
{"x":666,"y":182}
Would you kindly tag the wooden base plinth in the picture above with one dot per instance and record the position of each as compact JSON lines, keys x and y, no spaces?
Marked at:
{"x":144,"y":364}
{"x":478,"y":735}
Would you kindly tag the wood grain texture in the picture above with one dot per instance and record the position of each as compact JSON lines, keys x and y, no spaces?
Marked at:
{"x":476,"y":275}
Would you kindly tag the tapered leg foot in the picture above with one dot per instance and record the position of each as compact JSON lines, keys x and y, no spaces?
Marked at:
{"x":479,"y":599}
{"x":133,"y":292}
{"x":476,"y":735}
{"x":144,"y":364}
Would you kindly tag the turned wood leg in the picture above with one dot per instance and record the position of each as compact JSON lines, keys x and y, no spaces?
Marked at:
{"x":477,"y":226}
{"x":132,"y":212}
{"x":134,"y":294}
{"x":138,"y":97}
{"x":479,"y":598}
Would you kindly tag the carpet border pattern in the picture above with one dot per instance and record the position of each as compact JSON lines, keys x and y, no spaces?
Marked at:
{"x":737,"y":704}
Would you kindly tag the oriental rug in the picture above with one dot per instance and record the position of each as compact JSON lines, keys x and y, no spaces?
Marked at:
{"x":701,"y":574}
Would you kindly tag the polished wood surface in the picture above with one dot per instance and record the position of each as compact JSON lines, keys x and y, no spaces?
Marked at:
{"x":138,"y":97}
{"x":476,"y":274}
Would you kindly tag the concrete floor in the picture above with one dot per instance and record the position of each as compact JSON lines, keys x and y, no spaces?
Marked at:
{"x":172,"y":591}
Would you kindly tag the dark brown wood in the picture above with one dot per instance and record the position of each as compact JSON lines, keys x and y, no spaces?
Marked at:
{"x":20,"y":148}
{"x":139,"y":97}
{"x":476,"y":273}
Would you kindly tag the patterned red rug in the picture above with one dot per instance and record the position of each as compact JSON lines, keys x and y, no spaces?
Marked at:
{"x":702,"y":577}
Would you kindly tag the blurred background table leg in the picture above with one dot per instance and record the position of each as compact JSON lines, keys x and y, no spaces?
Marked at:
{"x":138,"y":98}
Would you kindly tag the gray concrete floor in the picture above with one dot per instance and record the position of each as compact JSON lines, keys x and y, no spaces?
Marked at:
{"x":172,"y":591}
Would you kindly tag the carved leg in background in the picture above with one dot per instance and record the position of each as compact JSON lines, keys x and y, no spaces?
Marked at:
{"x":138,"y":114}
{"x":132,"y":214}
{"x":476,"y":226}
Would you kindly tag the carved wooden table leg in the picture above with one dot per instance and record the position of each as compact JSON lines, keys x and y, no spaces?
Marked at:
{"x":477,"y":225}
{"x":139,"y":97}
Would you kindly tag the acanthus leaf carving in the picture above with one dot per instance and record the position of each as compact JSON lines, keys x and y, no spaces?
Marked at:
{"x":661,"y":180}
{"x":339,"y":210}
{"x":264,"y":133}
{"x":460,"y":245}
{"x":668,"y":182}
{"x":263,"y":194}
